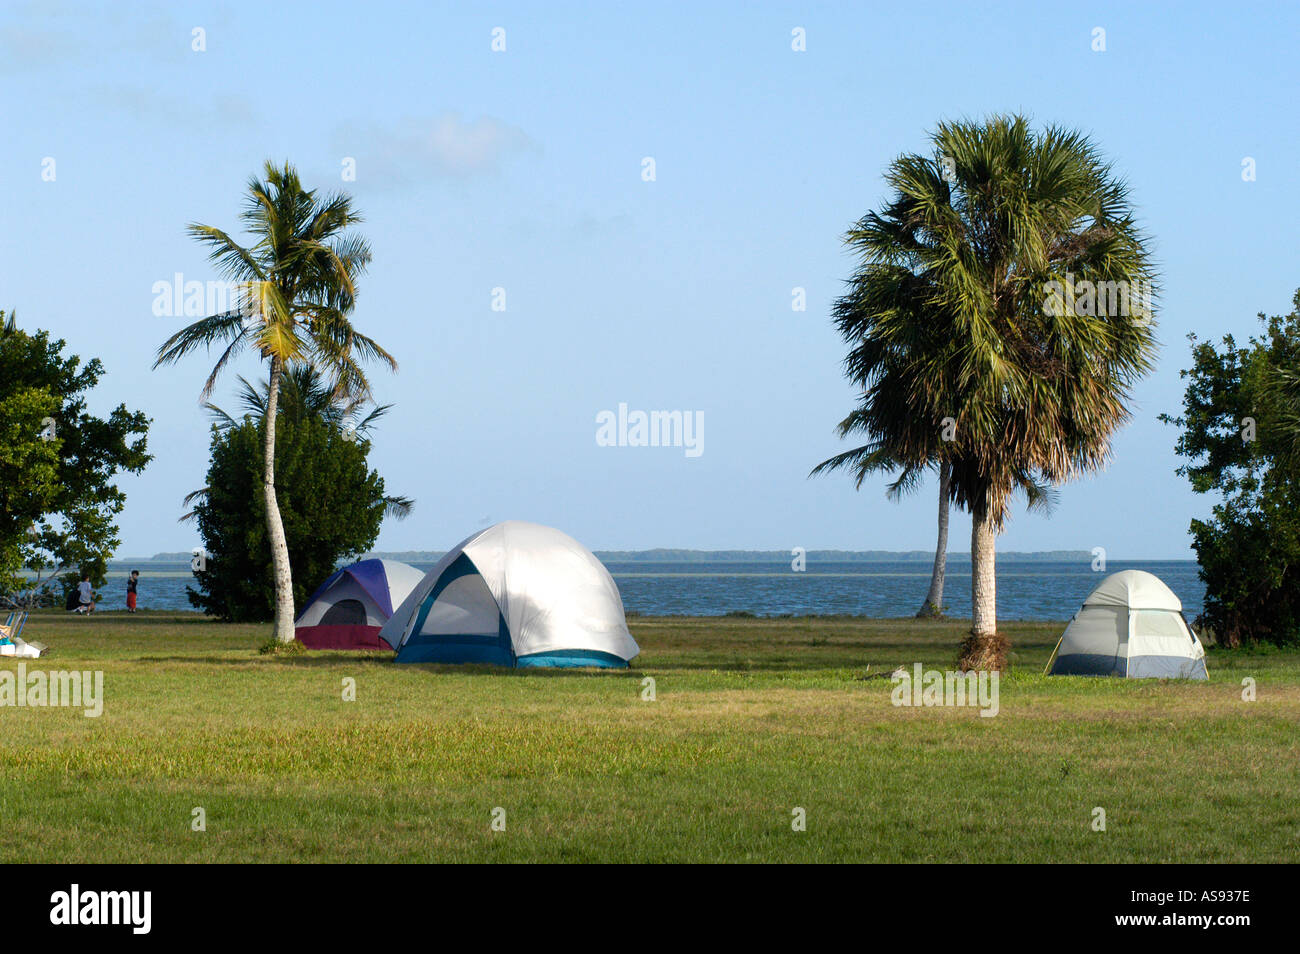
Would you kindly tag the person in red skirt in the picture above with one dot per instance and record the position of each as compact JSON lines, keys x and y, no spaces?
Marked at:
{"x":132,"y":582}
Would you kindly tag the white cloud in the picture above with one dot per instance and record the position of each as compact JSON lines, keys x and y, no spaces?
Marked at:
{"x":45,"y":36}
{"x":443,"y":146}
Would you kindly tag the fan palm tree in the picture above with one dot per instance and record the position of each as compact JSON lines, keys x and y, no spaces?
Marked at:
{"x":903,"y":432}
{"x":1283,"y":387}
{"x":296,"y":291}
{"x":872,"y":458}
{"x":999,"y":318}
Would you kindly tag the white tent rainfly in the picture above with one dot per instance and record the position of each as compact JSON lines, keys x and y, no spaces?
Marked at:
{"x":516,"y":594}
{"x":1130,"y":626}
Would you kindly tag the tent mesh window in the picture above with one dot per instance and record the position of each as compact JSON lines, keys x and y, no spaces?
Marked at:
{"x":465,"y":606}
{"x":345,"y":613}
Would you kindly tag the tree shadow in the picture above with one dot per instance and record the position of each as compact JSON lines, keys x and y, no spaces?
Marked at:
{"x":350,"y":659}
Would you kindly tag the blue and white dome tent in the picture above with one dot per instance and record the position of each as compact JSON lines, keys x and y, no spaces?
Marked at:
{"x":516,"y":594}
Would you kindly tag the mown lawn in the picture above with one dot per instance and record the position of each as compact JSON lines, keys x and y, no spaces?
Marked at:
{"x":752,"y":719}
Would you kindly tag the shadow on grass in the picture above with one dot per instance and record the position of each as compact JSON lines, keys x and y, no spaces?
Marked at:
{"x":255,"y":658}
{"x":350,"y":659}
{"x":526,"y":672}
{"x":140,"y":618}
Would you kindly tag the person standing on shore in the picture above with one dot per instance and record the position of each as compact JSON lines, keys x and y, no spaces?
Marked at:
{"x":85,"y":595}
{"x":132,"y":582}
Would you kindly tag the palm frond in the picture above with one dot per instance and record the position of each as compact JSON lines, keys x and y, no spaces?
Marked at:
{"x":190,"y":499}
{"x":947,"y":317}
{"x":399,"y":508}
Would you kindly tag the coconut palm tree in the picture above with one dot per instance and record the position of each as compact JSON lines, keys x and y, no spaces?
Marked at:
{"x":1000,"y":314}
{"x":304,"y":393}
{"x":296,"y":291}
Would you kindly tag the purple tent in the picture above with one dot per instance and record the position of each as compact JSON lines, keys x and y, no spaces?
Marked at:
{"x":348,"y":609}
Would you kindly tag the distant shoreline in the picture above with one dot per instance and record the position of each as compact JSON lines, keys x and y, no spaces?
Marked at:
{"x":661,"y":556}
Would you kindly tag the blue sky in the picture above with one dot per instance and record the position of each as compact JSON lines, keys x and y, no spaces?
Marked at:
{"x":522,"y":170}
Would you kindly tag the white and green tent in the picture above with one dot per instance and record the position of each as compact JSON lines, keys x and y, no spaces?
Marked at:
{"x":1130,"y":626}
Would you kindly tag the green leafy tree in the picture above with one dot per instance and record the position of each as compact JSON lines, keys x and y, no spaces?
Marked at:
{"x":1241,"y":432}
{"x":297,"y":290}
{"x":997,"y":321}
{"x":58,"y":502}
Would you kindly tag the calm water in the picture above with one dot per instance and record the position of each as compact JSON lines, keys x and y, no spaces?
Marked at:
{"x":1026,"y":590}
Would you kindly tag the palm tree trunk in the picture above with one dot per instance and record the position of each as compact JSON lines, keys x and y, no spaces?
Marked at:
{"x":983,"y":579}
{"x":274,"y":525}
{"x":933,"y":605}
{"x":983,"y":649}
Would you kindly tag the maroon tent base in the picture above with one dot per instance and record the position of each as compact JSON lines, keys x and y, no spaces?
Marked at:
{"x":341,"y":637}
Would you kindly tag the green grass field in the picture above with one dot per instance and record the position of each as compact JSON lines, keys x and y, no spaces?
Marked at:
{"x":752,"y":719}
